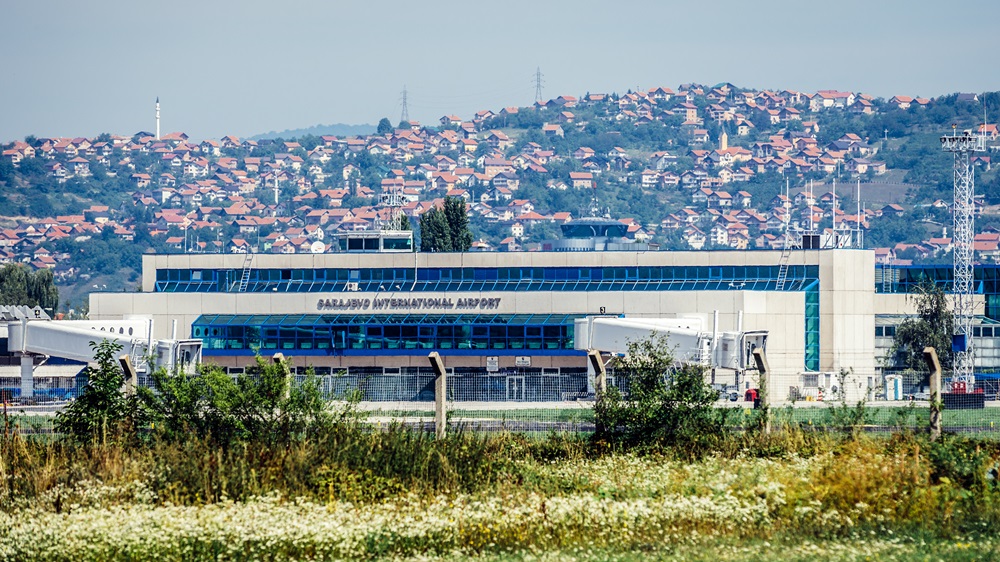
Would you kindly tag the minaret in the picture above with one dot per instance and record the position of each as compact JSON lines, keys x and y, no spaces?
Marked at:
{"x":157,"y":117}
{"x":723,"y":141}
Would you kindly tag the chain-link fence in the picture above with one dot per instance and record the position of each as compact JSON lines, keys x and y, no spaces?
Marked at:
{"x":526,"y":399}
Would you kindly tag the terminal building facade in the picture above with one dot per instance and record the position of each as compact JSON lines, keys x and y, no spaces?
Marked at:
{"x":503,"y":313}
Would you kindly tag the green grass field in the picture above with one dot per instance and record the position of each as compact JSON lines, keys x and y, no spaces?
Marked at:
{"x":985,"y":420}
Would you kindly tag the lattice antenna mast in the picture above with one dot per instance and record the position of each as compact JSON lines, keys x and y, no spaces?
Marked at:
{"x":538,"y":84}
{"x":393,"y":201}
{"x":963,"y":146}
{"x":405,"y":116}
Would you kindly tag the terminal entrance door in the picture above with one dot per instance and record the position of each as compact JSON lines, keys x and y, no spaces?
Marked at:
{"x":515,"y":388}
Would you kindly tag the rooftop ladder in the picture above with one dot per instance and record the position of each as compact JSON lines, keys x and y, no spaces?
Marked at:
{"x":786,"y":253}
{"x":245,"y":279}
{"x":887,"y":275}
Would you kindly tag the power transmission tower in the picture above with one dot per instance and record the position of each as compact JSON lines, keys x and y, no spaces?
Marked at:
{"x":405,"y":117}
{"x":538,"y":83}
{"x":963,"y":146}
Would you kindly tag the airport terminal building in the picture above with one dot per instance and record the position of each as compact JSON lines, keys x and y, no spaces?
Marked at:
{"x":493,"y":313}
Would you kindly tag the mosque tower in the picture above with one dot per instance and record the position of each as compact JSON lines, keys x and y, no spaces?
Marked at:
{"x":157,"y":117}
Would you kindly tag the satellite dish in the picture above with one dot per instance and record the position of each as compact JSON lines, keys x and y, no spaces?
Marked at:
{"x":317,"y":247}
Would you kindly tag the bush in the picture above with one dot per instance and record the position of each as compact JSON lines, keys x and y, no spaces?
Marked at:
{"x":263,"y":404}
{"x":665,"y":404}
{"x":102,"y":411}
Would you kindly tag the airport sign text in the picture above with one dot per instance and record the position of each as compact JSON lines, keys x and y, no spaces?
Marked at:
{"x":409,"y":303}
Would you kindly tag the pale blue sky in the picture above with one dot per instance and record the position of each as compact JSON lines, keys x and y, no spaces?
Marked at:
{"x":81,"y":68}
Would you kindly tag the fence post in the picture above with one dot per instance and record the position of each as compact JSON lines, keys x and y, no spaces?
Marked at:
{"x":27,"y":376}
{"x":934,"y":366}
{"x":600,"y":374}
{"x":440,"y":393}
{"x":131,"y":379}
{"x":764,"y":395}
{"x":279,"y":360}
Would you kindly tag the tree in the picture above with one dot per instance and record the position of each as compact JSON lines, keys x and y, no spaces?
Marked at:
{"x":435,"y":236}
{"x":932,"y":327}
{"x":20,"y":286}
{"x":663,"y":404}
{"x":446,"y":230}
{"x":458,"y":224}
{"x":384,"y":126}
{"x":102,"y":410}
{"x":7,"y":170}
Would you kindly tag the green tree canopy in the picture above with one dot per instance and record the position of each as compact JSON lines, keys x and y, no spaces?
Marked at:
{"x":435,"y":236}
{"x":458,"y":224}
{"x":932,"y":327}
{"x":446,"y":230}
{"x":20,"y":286}
{"x":384,"y":126}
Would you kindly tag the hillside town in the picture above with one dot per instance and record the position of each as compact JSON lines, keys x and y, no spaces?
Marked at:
{"x":700,"y":154}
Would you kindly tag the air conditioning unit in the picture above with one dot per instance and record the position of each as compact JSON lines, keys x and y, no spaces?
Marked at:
{"x":352,"y":286}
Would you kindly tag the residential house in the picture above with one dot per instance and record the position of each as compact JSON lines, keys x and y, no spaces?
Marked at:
{"x":893,"y":209}
{"x":581,"y":180}
{"x":901,"y":102}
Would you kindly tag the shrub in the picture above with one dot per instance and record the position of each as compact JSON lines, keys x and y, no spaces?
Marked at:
{"x":264,"y":403}
{"x":666,"y":404}
{"x":102,"y":410}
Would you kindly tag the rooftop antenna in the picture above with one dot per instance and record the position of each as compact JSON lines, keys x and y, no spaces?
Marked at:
{"x":393,"y":202}
{"x":811,"y":201}
{"x":833,"y":213}
{"x":857,"y":220}
{"x":963,"y":146}
{"x":787,"y":204}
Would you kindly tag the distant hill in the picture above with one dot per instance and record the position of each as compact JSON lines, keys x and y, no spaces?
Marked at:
{"x":338,"y":129}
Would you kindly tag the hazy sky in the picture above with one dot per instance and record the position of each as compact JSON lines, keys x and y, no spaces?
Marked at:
{"x":81,"y":68}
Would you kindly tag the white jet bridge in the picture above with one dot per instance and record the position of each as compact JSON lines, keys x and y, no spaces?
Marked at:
{"x":687,"y":337}
{"x":30,"y":333}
